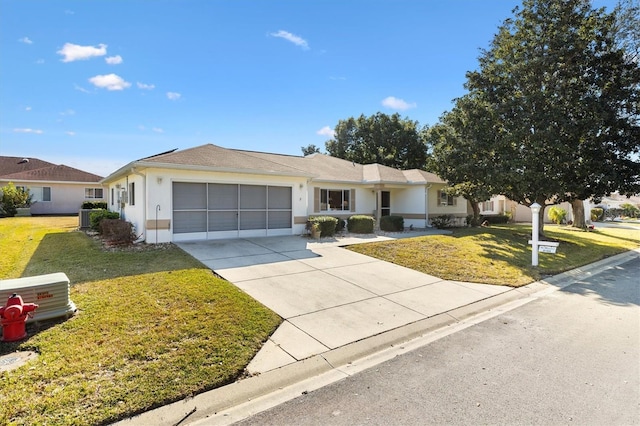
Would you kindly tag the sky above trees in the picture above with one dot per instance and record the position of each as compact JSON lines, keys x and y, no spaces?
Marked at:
{"x":97,"y":84}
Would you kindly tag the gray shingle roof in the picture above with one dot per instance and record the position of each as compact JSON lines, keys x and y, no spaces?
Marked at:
{"x":319,"y":167}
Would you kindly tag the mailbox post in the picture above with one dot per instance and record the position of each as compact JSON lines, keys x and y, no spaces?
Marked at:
{"x":535,"y":232}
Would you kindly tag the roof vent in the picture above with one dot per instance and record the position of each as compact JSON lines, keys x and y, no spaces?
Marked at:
{"x":24,"y":160}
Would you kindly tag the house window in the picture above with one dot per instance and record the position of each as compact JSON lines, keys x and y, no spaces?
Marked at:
{"x":334,"y":199}
{"x":446,"y":199}
{"x":40,"y":193}
{"x":132,"y":194}
{"x":487,"y":206}
{"x":93,"y":193}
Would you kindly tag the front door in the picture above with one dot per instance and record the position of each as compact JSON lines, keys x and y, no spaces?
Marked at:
{"x":385,"y":203}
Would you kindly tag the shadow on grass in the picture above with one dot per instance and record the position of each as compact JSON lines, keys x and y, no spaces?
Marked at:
{"x":84,"y":260}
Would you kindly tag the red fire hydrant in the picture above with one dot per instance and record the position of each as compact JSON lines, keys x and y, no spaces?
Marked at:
{"x":13,"y":317}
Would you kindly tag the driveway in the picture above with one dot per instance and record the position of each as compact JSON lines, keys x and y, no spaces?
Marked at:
{"x":329,"y":296}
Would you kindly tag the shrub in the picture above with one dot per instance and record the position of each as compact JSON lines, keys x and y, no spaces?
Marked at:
{"x":557,"y":214}
{"x":13,"y":198}
{"x":99,"y":215}
{"x":597,"y":214}
{"x":327,"y":225}
{"x":360,"y":224}
{"x":117,"y":231}
{"x":88,"y":205}
{"x":471,"y":221}
{"x":629,"y":210}
{"x":392,"y":223}
{"x":442,"y":221}
{"x":496,"y":219}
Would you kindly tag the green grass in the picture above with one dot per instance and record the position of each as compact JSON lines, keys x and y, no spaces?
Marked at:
{"x":153,"y":327}
{"x":501,"y":254}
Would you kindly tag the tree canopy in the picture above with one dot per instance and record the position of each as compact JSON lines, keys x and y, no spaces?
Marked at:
{"x":552,"y":113}
{"x":380,"y":138}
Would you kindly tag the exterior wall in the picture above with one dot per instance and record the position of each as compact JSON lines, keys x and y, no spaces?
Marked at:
{"x":66,"y":198}
{"x":459,"y":211}
{"x":411,"y":204}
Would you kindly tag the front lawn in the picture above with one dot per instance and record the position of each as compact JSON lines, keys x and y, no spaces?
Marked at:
{"x":501,"y":254}
{"x":153,"y":326}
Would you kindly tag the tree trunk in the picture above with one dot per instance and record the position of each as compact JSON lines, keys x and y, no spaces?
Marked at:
{"x":578,"y":214}
{"x":476,"y":212}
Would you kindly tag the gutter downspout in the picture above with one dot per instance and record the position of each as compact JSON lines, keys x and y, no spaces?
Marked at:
{"x":426,"y":205}
{"x":144,"y":203}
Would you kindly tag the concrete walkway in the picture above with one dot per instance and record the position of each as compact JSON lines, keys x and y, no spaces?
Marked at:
{"x":329,"y":296}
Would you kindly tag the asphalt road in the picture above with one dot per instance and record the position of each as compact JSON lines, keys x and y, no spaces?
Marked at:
{"x":570,"y":358}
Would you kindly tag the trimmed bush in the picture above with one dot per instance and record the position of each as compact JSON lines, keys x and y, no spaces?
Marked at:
{"x":117,"y":231}
{"x":89,"y":205}
{"x":360,"y":224}
{"x":392,"y":223}
{"x":442,"y":221}
{"x":327,"y":225}
{"x":557,"y":214}
{"x":97,"y":216}
{"x":496,"y":219}
{"x":597,"y":214}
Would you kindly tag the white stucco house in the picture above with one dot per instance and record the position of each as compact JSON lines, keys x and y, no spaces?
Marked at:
{"x":55,"y":188}
{"x":211,"y":192}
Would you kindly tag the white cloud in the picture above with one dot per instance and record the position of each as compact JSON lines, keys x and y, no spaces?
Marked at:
{"x":109,"y":82}
{"x":173,"y":96}
{"x":71,"y":133}
{"x":36,"y":131}
{"x":158,"y":130}
{"x":75,"y":52}
{"x":68,"y":112}
{"x":145,"y":86}
{"x":81,"y":89}
{"x":298,"y":41}
{"x":25,"y":40}
{"x":395,"y":103}
{"x":27,"y":108}
{"x":40,"y":61}
{"x":141,"y":127}
{"x":113,"y":60}
{"x":326,"y":131}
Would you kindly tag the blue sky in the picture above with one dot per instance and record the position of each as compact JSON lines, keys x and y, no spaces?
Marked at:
{"x":97,"y":84}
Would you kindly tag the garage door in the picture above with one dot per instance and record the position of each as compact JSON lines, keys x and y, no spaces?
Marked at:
{"x":216,"y":210}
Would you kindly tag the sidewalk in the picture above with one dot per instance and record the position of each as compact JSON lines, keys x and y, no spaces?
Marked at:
{"x":339,"y":307}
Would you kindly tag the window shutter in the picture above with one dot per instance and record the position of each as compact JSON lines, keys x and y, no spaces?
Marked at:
{"x":353,"y":200}
{"x":316,"y":199}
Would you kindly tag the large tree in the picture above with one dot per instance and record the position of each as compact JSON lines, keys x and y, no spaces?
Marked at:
{"x":552,"y":113}
{"x":380,"y":138}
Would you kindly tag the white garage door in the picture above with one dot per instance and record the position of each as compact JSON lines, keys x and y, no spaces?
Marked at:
{"x":216,"y":210}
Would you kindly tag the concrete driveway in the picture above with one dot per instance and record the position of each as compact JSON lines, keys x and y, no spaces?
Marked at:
{"x":329,"y":296}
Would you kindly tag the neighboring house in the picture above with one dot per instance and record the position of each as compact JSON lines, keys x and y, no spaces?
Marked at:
{"x":55,"y":189}
{"x":210,"y":192}
{"x":499,"y":204}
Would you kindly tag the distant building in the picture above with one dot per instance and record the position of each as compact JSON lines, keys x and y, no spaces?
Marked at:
{"x":55,"y":189}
